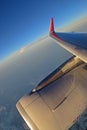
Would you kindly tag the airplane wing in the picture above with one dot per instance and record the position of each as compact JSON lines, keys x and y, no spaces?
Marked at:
{"x":58,"y":101}
{"x":76,"y":43}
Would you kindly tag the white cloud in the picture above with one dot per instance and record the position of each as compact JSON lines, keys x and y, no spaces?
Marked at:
{"x":22,"y":50}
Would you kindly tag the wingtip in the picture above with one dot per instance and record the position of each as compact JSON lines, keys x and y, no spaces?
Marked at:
{"x":51,"y":25}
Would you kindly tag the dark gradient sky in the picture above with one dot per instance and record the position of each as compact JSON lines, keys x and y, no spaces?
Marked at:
{"x":24,"y":21}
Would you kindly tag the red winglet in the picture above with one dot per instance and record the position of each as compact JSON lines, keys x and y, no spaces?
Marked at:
{"x":52,"y":25}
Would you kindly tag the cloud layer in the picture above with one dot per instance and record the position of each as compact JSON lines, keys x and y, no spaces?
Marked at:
{"x":79,"y":25}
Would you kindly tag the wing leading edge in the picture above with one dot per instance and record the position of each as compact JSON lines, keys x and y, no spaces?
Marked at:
{"x":75,"y":43}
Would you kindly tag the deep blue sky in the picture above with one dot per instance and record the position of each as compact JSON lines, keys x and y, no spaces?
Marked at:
{"x":24,"y":21}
